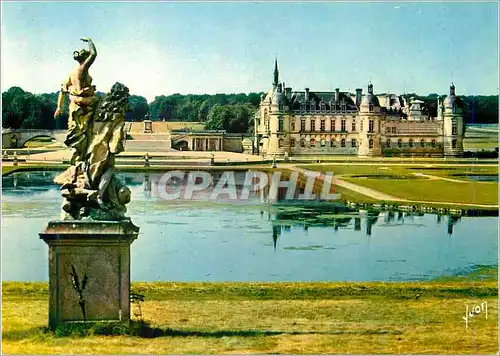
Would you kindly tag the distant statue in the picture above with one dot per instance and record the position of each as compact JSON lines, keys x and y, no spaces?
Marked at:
{"x":96,"y":135}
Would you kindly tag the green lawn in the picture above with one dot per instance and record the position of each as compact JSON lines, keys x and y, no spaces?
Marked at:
{"x":260,"y":318}
{"x":400,"y":170}
{"x":434,"y":190}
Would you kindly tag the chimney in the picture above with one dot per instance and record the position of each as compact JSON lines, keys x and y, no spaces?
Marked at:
{"x":307,"y":94}
{"x":359,"y":92}
{"x":337,"y":95}
{"x":288,"y":93}
{"x":452,"y":89}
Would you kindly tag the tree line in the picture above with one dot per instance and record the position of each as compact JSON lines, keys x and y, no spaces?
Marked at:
{"x":230,"y":112}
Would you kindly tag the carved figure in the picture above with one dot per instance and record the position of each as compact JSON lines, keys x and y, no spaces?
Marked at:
{"x":96,"y":134}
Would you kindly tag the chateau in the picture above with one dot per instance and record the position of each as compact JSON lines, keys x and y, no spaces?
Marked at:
{"x":306,"y":122}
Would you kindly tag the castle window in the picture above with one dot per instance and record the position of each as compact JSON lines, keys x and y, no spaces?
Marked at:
{"x":388,"y":143}
{"x":302,"y":107}
{"x":280,"y":107}
{"x":322,"y":127}
{"x":292,"y":142}
{"x":332,"y":142}
{"x":353,"y":142}
{"x":280,"y":124}
{"x":323,"y":106}
{"x":292,"y":123}
{"x":302,"y":125}
{"x":433,"y":143}
{"x":313,"y":124}
{"x":280,"y":143}
{"x":388,"y":129}
{"x":410,"y":143}
{"x":302,"y":143}
{"x":323,"y":143}
{"x":332,"y":125}
{"x":370,"y":143}
{"x":361,"y":126}
{"x":312,"y":143}
{"x":454,"y":128}
{"x":342,"y":142}
{"x":370,"y":126}
{"x":454,"y":144}
{"x":422,"y":143}
{"x":394,"y":129}
{"x":342,"y":125}
{"x":370,"y":107}
{"x":400,"y":143}
{"x":353,"y":126}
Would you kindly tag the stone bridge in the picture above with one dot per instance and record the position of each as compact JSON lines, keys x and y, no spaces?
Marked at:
{"x":17,"y":138}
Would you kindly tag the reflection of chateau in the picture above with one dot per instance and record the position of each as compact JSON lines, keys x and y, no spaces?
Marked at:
{"x":306,"y":122}
{"x":362,"y":222}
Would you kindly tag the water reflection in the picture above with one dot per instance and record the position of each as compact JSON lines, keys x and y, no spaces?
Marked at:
{"x":335,"y":217}
{"x":256,"y":239}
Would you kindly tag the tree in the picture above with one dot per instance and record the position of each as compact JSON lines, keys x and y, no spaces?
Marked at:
{"x":138,"y":108}
{"x":232,"y":118}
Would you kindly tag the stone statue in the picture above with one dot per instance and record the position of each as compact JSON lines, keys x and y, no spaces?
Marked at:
{"x":82,"y":101}
{"x":96,"y":134}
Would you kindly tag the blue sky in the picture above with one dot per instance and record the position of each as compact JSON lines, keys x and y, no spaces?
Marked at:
{"x":213,"y":47}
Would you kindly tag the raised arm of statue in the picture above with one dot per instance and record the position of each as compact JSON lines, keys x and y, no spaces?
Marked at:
{"x":93,"y":54}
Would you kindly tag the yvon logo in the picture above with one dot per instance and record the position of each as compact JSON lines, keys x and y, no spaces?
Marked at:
{"x":475,"y":310}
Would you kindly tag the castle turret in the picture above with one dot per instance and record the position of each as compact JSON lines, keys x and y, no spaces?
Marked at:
{"x":370,"y":115}
{"x":453,"y":124}
{"x":279,"y":141}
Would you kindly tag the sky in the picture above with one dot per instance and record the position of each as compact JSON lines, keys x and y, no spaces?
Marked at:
{"x":161,"y":48}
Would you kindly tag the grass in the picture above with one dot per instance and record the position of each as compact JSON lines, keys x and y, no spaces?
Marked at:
{"x":421,"y":317}
{"x":399,"y":181}
{"x":400,"y":170}
{"x":434,"y":190}
{"x":39,"y":142}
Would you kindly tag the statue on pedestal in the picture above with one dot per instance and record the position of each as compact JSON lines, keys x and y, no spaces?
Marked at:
{"x":96,"y":134}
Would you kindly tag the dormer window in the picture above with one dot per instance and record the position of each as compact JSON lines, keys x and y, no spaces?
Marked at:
{"x":323,"y":106}
{"x":302,"y":107}
{"x":370,"y":107}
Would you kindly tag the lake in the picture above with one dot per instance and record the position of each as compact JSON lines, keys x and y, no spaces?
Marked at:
{"x":253,"y":240}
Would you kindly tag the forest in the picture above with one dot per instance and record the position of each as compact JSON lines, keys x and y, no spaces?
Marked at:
{"x":230,"y":112}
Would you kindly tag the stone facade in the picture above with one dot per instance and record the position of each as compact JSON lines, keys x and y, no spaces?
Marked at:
{"x":341,"y":123}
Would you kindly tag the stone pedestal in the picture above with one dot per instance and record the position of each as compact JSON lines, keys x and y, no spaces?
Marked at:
{"x":89,"y":270}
